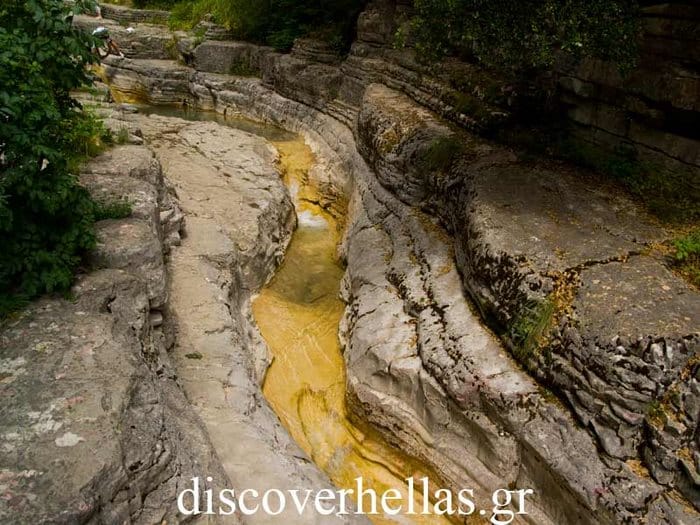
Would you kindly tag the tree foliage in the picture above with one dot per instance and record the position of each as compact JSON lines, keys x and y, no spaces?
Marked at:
{"x":522,"y":35}
{"x":46,"y":217}
{"x":278,"y":22}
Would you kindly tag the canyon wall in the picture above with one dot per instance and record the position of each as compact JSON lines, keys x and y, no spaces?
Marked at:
{"x":650,"y":112}
{"x":655,"y":108}
{"x":606,"y":420}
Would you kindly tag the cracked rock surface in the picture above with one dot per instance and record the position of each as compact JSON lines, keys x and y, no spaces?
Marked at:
{"x":626,"y":334}
{"x":618,"y":443}
{"x":238,"y":220}
{"x":422,"y":368}
{"x":94,"y":427}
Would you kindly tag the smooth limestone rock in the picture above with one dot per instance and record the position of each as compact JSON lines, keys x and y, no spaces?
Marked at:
{"x":439,"y":385}
{"x":503,"y":268}
{"x":514,"y":247}
{"x":140,"y":194}
{"x":150,"y":197}
{"x":239,"y":218}
{"x":545,"y":447}
{"x":128,"y":161}
{"x":247,"y":96}
{"x":94,"y":427}
{"x":313,"y":83}
{"x":132,"y":174}
{"x":140,"y":40}
{"x":153,"y":81}
{"x":130,"y":244}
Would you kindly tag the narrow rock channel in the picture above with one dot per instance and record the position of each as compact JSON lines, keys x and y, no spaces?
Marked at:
{"x":362,"y":281}
{"x":239,"y":220}
{"x":299,"y":314}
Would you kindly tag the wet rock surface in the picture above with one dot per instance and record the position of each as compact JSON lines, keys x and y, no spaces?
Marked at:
{"x":238,"y":221}
{"x":504,"y":269}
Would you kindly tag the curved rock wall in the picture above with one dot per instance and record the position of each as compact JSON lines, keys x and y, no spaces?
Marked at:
{"x":650,"y":110}
{"x":615,"y":348}
{"x":624,"y":340}
{"x":94,"y":426}
{"x":238,"y":220}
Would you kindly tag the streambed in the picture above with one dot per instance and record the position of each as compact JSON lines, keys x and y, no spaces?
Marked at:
{"x":298,"y":314}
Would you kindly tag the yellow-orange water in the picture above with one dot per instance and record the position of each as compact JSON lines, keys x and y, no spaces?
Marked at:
{"x":298,"y":314}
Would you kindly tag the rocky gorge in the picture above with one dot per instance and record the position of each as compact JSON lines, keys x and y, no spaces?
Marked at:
{"x":449,"y":253}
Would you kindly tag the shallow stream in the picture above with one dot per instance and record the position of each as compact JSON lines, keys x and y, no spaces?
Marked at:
{"x":298,"y":314}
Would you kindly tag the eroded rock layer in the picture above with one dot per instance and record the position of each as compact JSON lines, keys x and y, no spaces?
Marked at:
{"x":434,"y":211}
{"x":94,"y":426}
{"x":522,"y":235}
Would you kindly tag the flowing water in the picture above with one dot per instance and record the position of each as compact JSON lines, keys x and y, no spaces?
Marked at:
{"x":298,"y":314}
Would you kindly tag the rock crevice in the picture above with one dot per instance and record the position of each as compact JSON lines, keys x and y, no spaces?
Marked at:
{"x":433,"y":378}
{"x":434,"y":211}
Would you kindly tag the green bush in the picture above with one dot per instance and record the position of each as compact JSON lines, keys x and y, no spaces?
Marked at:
{"x":530,"y":327}
{"x":441,"y":154}
{"x":185,"y":15}
{"x":521,"y":35}
{"x":122,"y":135}
{"x":276,"y":22}
{"x":688,"y":247}
{"x":118,"y":209}
{"x":687,"y":256}
{"x":46,"y":217}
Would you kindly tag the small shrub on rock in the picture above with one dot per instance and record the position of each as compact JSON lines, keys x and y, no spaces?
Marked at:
{"x":687,"y":256}
{"x":276,"y":22}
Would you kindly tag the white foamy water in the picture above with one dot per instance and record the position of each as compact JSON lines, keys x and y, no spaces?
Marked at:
{"x":311,"y":220}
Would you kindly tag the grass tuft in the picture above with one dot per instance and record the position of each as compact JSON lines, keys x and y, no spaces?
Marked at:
{"x":530,"y":328}
{"x":118,"y":209}
{"x":686,"y":258}
{"x":442,"y":154}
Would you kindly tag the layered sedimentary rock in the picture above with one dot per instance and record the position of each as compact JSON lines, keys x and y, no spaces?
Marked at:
{"x":236,"y":58}
{"x":94,"y":426}
{"x":127,"y":15}
{"x":142,"y":40}
{"x":648,"y":111}
{"x":151,"y":374}
{"x":651,"y":108}
{"x":513,"y":251}
{"x":238,"y":221}
{"x":629,"y":327}
{"x":153,"y":81}
{"x":530,"y":241}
